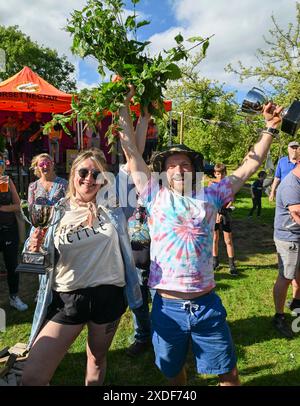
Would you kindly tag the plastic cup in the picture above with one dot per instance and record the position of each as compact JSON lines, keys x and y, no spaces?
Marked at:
{"x":4,"y":184}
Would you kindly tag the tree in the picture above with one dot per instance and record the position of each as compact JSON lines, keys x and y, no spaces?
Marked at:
{"x":211,"y":125}
{"x":279,"y":64}
{"x":278,"y":69}
{"x":100,"y":31}
{"x":20,"y":50}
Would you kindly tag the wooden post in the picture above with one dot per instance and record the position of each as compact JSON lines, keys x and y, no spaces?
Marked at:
{"x":181,"y":126}
{"x":170,"y":130}
{"x":22,"y":192}
{"x":81,"y":136}
{"x":77,"y":135}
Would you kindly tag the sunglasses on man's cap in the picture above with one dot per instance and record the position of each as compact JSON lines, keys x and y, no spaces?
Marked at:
{"x":83,"y":173}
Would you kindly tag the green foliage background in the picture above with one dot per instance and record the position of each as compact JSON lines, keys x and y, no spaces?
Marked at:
{"x":21,"y":51}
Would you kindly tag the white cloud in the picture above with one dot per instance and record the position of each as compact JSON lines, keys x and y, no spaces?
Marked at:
{"x":81,"y":84}
{"x":42,"y":20}
{"x":239,"y":27}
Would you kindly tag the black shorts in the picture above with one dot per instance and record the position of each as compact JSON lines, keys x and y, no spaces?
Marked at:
{"x":101,"y":304}
{"x":225,"y":227}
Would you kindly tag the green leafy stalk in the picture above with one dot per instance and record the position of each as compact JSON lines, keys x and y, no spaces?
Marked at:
{"x":98,"y":31}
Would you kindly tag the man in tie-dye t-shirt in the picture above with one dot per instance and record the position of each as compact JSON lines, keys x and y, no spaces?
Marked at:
{"x":182,"y":215}
{"x":181,"y":229}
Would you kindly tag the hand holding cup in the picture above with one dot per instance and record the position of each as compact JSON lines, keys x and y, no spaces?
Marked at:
{"x":4,"y":180}
{"x":272,"y":114}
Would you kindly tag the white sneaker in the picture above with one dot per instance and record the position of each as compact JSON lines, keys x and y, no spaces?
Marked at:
{"x":17,"y":303}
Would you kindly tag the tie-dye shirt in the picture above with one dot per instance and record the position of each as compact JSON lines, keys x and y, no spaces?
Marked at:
{"x":181,"y":230}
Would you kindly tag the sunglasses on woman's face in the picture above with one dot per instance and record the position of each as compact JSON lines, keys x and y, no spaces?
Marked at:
{"x":2,"y":163}
{"x":83,"y":173}
{"x":45,"y":163}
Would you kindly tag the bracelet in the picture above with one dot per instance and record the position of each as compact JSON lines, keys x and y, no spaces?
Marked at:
{"x":272,"y":131}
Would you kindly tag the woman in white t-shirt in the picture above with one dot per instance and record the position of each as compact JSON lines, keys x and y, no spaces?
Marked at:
{"x":88,"y":278}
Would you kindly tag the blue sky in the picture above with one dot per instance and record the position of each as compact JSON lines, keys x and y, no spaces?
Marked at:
{"x":238,"y":28}
{"x":160,"y":13}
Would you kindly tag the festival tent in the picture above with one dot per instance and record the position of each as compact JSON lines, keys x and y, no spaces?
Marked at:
{"x":28,"y":92}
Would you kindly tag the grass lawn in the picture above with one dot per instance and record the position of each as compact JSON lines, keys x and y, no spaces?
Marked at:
{"x":264,"y":358}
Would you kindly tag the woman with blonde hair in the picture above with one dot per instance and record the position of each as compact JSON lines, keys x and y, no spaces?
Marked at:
{"x":49,"y":188}
{"x":92,"y":269}
{"x":9,"y":236}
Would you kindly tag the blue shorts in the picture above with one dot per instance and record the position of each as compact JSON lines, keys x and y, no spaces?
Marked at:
{"x":201,"y":321}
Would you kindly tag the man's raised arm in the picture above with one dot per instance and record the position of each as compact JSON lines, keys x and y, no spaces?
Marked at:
{"x":256,"y":156}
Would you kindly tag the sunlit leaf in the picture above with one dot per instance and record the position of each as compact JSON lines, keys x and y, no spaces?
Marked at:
{"x":179,"y":39}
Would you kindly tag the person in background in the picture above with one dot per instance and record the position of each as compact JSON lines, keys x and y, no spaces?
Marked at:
{"x":55,"y":137}
{"x":35,"y":135}
{"x":22,"y":126}
{"x":93,"y":137}
{"x":256,"y":193}
{"x":49,"y":188}
{"x":287,"y":241}
{"x":10,"y":132}
{"x":284,"y":166}
{"x":181,"y":222}
{"x":140,"y":243}
{"x":223,"y":222}
{"x":9,"y":236}
{"x":151,"y":140}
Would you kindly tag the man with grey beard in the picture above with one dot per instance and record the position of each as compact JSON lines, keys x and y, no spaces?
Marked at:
{"x":181,"y":223}
{"x":284,"y":166}
{"x":287,"y":241}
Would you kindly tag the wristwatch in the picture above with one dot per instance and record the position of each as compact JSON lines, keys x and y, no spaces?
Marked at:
{"x":272,"y":131}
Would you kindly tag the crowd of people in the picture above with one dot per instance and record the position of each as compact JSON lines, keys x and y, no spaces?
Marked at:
{"x":162,"y":244}
{"x":23,"y":138}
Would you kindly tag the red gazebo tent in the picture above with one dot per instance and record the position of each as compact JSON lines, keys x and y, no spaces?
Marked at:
{"x":28,"y":92}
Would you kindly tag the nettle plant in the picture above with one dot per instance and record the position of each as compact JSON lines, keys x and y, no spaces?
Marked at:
{"x":100,"y":30}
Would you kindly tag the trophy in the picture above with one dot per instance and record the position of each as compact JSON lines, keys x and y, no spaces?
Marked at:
{"x":37,"y":261}
{"x":254,"y":101}
{"x":253,"y":105}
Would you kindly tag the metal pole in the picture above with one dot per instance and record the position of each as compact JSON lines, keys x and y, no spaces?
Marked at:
{"x":81,"y":136}
{"x":78,"y":135}
{"x":170,"y":129}
{"x":181,"y":126}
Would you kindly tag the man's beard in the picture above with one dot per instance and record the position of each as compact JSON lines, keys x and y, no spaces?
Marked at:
{"x":186,"y":185}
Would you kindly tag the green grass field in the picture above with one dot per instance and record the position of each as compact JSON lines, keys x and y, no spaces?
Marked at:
{"x":264,"y":358}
